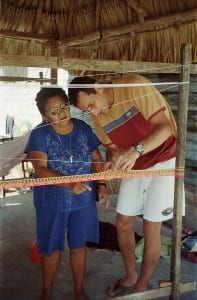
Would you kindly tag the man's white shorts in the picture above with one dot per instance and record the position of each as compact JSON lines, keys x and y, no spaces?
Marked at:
{"x":152,"y":197}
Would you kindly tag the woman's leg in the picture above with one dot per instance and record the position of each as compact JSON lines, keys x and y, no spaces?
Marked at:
{"x":49,"y":266}
{"x":78,"y":265}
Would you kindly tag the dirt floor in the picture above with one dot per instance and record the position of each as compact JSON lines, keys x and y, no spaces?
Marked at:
{"x":20,"y":277}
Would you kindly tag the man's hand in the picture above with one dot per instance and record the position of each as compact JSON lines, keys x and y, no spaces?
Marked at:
{"x":118,"y":159}
{"x":125,"y":161}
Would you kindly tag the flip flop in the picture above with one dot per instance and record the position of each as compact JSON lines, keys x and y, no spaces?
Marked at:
{"x":116,"y":289}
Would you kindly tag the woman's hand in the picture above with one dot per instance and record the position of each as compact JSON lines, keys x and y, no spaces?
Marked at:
{"x":112,"y":153}
{"x":78,"y":187}
{"x":103,"y":196}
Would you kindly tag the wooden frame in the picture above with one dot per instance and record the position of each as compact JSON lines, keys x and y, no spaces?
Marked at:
{"x":185,"y":69}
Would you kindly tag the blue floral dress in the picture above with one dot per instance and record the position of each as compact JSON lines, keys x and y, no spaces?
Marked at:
{"x":80,"y":142}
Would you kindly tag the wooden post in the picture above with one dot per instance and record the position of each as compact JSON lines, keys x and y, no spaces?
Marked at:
{"x":53,"y":76}
{"x":180,"y":164}
{"x":54,"y":71}
{"x":41,"y":78}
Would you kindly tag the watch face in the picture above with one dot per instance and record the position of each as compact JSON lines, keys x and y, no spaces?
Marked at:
{"x":139,"y":148}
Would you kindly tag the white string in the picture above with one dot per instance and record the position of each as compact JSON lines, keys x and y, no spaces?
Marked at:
{"x":52,"y":160}
{"x":47,"y":124}
{"x":76,"y":115}
{"x":121,"y":85}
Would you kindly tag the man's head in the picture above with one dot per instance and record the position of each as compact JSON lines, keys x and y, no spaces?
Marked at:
{"x":94,"y":100}
{"x":73,"y":93}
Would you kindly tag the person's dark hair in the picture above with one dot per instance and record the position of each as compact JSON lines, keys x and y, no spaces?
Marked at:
{"x":46,"y":93}
{"x":74,"y":92}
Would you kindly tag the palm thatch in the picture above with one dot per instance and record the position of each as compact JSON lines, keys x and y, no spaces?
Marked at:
{"x":121,"y":30}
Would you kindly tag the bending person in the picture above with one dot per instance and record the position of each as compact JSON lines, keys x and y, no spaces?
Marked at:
{"x":138,"y":129}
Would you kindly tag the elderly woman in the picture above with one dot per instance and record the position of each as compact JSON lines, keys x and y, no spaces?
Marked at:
{"x":62,"y":145}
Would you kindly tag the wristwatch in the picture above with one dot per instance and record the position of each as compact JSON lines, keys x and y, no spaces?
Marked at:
{"x":139,"y":148}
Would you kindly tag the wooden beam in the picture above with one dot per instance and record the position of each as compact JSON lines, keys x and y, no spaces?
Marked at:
{"x":29,"y":61}
{"x":13,"y":79}
{"x":78,"y":40}
{"x":180,"y":165}
{"x":54,"y":74}
{"x":91,"y":65}
{"x":54,"y":71}
{"x":26,"y":36}
{"x":157,"y":293}
{"x":149,"y":24}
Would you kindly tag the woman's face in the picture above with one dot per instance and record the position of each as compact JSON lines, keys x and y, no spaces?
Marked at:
{"x":57,"y":112}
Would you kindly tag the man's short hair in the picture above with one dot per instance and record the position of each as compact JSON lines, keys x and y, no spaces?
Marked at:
{"x":73,"y":93}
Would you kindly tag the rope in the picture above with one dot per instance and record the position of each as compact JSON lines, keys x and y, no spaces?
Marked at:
{"x":16,"y":183}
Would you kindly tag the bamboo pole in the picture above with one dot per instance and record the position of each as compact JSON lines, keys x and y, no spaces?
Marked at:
{"x":180,"y":164}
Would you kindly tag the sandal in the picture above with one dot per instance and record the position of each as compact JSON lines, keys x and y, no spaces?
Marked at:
{"x":116,"y":289}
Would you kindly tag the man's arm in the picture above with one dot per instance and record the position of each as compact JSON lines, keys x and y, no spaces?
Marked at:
{"x":160,"y":133}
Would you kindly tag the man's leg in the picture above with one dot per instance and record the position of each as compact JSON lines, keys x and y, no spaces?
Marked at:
{"x":126,"y":240}
{"x":49,"y":266}
{"x":151,"y":254}
{"x":78,"y":265}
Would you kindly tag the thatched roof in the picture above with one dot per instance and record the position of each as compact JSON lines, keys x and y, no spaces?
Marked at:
{"x":121,"y":30}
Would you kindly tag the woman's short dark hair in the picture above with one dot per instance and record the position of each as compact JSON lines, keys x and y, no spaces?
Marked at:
{"x":46,"y":93}
{"x":74,"y":92}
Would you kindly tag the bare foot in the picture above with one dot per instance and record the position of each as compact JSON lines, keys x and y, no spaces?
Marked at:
{"x":139,"y":288}
{"x":119,"y":286}
{"x":129,"y":281}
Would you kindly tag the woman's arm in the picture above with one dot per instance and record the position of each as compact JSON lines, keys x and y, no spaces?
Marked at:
{"x":98,"y":166}
{"x":39,"y":162}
